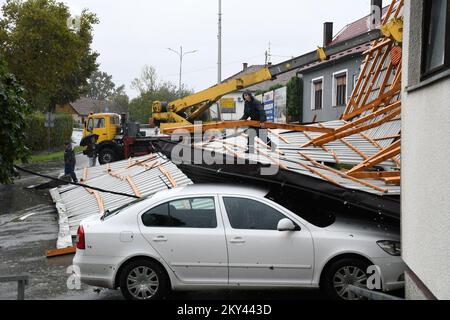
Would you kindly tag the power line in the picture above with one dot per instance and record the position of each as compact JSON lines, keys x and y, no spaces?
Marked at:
{"x":80,"y":184}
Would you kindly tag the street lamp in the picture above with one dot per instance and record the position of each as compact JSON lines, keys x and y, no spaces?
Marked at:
{"x":181,"y":55}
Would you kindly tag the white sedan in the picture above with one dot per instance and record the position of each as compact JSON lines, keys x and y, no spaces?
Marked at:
{"x":204,"y":237}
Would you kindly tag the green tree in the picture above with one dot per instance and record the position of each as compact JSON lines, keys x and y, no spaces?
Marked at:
{"x":100,"y":86}
{"x":15,"y":110}
{"x":51,"y":59}
{"x":152,"y":89}
{"x":295,"y":99}
{"x":120,"y":98}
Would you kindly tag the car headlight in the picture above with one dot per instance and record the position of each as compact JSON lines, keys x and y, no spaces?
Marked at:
{"x":391,"y":247}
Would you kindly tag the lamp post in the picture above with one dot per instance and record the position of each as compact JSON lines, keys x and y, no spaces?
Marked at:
{"x":181,"y":55}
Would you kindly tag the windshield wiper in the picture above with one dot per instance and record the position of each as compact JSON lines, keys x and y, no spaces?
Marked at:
{"x":105,"y":215}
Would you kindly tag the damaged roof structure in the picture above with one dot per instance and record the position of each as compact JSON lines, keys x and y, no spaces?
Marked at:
{"x":367,"y":138}
{"x":139,"y":177}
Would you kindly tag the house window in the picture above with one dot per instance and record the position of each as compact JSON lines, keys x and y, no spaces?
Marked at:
{"x":340,"y":89}
{"x":317,"y":94}
{"x":436,"y":37}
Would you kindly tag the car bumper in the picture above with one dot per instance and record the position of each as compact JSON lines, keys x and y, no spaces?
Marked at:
{"x":392,"y":273}
{"x":96,"y":271}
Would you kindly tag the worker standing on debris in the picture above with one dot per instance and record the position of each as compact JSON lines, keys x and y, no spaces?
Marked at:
{"x":69,"y":162}
{"x":255,"y":111}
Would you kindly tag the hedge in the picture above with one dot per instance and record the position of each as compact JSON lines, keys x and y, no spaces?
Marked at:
{"x":37,"y":133}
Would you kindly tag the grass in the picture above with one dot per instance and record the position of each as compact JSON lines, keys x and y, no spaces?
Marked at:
{"x":55,"y":156}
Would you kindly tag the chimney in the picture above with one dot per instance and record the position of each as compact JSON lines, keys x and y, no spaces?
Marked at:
{"x":244,"y":65}
{"x":376,"y":12}
{"x":327,"y":33}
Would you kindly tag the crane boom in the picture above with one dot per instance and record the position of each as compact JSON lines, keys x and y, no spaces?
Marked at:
{"x":172,"y":112}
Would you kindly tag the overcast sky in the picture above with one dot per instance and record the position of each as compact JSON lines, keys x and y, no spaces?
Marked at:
{"x":133,"y":33}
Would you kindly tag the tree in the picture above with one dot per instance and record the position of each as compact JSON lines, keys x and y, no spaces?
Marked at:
{"x":295,"y":99}
{"x":151,"y":89}
{"x":147,"y":82}
{"x":50,"y":59}
{"x":14,"y":110}
{"x":121,"y":99}
{"x":100,"y":86}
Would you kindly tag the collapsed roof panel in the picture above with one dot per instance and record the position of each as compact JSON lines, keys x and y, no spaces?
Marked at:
{"x":139,"y":177}
{"x":367,"y":138}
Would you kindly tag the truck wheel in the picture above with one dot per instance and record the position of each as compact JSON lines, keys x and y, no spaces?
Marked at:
{"x":106,"y":156}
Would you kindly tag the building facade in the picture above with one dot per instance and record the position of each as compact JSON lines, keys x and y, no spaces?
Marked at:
{"x":426,"y":149}
{"x":326,"y":89}
{"x":81,"y":108}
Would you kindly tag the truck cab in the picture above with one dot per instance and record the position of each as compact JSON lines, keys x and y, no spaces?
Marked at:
{"x":104,"y":125}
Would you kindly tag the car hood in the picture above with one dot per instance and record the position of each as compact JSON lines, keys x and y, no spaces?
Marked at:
{"x":382,"y":231}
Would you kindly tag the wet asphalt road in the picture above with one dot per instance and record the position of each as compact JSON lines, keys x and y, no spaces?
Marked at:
{"x":29,"y":227}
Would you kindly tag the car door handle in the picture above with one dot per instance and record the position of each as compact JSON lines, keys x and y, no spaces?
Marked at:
{"x":237,"y":240}
{"x":160,"y":239}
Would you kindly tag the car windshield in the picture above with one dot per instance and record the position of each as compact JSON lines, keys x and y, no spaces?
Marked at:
{"x":110,"y":213}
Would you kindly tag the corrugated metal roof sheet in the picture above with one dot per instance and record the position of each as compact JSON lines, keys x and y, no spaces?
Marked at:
{"x":148,"y":175}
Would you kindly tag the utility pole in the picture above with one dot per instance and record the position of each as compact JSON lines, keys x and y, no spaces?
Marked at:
{"x":181,"y":55}
{"x":268,"y":55}
{"x":219,"y":36}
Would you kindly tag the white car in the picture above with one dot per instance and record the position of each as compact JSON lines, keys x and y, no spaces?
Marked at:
{"x":204,"y":237}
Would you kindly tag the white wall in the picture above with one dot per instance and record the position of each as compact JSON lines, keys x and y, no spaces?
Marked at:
{"x":426,"y":179}
{"x":237,"y":96}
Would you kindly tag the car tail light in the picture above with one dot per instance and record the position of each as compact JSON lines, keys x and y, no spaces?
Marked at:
{"x":81,"y":244}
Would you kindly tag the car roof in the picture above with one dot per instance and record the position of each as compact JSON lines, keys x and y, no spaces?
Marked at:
{"x":201,"y":189}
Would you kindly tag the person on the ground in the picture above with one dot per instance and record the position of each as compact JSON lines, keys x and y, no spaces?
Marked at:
{"x":92,"y":151}
{"x":70,"y":162}
{"x":254,"y":110}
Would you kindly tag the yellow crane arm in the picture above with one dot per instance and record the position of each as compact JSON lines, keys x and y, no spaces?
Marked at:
{"x":213,"y":94}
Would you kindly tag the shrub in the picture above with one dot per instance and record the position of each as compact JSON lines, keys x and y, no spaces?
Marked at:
{"x":14,"y":111}
{"x":37,"y":133}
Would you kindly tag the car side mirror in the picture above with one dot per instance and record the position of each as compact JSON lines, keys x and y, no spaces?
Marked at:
{"x":286,"y":225}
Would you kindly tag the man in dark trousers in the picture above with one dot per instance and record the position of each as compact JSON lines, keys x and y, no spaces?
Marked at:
{"x":69,"y":162}
{"x":255,"y":111}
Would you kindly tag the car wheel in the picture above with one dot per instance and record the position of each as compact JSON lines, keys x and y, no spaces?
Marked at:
{"x":143,"y":280}
{"x":343,"y":273}
{"x":106,"y":156}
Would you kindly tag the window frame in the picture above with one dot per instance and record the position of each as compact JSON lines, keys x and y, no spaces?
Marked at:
{"x":100,"y":120}
{"x":90,"y":125}
{"x":334,"y":90}
{"x":426,"y":74}
{"x":168,"y":201}
{"x":313,"y":92}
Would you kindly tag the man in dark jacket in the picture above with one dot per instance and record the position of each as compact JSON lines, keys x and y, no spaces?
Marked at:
{"x":69,"y":162}
{"x":255,"y":111}
{"x":253,"y":108}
